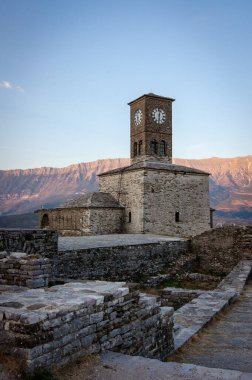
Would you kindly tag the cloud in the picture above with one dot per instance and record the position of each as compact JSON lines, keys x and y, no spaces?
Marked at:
{"x":10,"y":86}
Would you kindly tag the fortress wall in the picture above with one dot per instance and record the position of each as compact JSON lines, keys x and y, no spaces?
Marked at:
{"x":220,"y":249}
{"x":127,"y":263}
{"x":44,"y":242}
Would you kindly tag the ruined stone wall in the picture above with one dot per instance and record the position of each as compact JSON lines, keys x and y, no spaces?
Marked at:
{"x":70,"y":321}
{"x":220,"y":249}
{"x":44,"y":242}
{"x":167,"y":193}
{"x":127,"y":263}
{"x":21,"y":269}
{"x":128,"y":189}
{"x":177,"y":297}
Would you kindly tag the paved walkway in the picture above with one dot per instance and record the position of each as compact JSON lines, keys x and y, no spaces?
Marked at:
{"x":115,"y":366}
{"x":227,"y":342}
{"x":98,"y":241}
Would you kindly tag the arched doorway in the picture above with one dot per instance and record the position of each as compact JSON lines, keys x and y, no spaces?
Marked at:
{"x":45,"y":221}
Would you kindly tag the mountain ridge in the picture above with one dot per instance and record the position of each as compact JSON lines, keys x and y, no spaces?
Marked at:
{"x":23,"y":190}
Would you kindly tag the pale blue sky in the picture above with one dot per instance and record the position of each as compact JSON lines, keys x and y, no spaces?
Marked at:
{"x":69,"y":68}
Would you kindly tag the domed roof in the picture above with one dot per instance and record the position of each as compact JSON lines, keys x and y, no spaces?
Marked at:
{"x":96,"y":199}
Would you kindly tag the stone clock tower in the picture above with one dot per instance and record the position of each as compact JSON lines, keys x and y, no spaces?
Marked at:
{"x":151,"y":195}
{"x":151,"y":128}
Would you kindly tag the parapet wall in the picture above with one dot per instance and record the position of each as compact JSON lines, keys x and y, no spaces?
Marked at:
{"x":220,"y":249}
{"x":127,"y":263}
{"x":43,"y":242}
{"x":62,"y":323}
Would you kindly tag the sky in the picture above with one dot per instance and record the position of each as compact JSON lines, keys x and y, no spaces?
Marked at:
{"x":69,"y":68}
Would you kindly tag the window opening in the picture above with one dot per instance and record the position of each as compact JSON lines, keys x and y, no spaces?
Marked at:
{"x":129,"y":220}
{"x":162,"y":148}
{"x":135,"y":149}
{"x":177,"y":217}
{"x":154,"y":147}
{"x":140,"y":148}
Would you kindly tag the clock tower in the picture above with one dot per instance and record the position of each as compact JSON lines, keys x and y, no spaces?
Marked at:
{"x":151,"y":128}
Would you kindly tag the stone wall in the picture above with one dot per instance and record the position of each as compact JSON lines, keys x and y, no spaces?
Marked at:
{"x":81,"y":221}
{"x":43,"y":242}
{"x":176,"y":297}
{"x":219,"y":250}
{"x":62,"y":323}
{"x":20,"y":269}
{"x":153,"y":197}
{"x":128,"y":189}
{"x":168,"y":193}
{"x":128,"y":263}
{"x":105,"y":221}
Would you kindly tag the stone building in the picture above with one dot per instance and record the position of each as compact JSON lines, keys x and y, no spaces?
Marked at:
{"x":151,"y":195}
{"x":91,"y":214}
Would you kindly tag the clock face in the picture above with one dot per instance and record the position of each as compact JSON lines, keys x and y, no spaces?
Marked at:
{"x":138,"y":117}
{"x":158,"y":115}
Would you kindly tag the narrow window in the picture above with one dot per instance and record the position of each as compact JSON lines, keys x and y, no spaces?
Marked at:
{"x":177,"y":217}
{"x":140,"y":146}
{"x":135,"y":149}
{"x":129,"y":219}
{"x":154,"y":147}
{"x":162,"y":148}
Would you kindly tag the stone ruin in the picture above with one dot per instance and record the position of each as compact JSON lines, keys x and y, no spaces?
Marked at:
{"x":43,"y":323}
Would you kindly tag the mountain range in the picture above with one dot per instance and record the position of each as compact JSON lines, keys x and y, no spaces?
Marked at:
{"x":23,"y":191}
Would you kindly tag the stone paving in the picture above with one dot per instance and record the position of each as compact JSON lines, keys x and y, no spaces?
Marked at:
{"x":227,"y":342}
{"x":115,"y":366}
{"x":98,"y":241}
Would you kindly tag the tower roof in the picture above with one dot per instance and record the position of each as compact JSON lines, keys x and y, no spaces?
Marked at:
{"x":151,"y":95}
{"x":156,"y":165}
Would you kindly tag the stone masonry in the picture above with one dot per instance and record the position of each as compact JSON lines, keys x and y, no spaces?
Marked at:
{"x":220,"y":249}
{"x":153,"y":194}
{"x":43,"y":242}
{"x":149,"y":196}
{"x":124,"y":262}
{"x":62,"y":323}
{"x":91,"y":214}
{"x":20,"y":269}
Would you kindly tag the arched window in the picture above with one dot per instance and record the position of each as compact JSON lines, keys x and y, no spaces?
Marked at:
{"x":140,"y":148}
{"x":162,"y":148}
{"x":135,"y":149}
{"x":177,"y":217}
{"x":154,"y":147}
{"x":45,"y":221}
